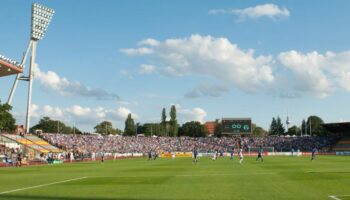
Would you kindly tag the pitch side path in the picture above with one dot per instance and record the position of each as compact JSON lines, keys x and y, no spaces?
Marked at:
{"x":277,"y":178}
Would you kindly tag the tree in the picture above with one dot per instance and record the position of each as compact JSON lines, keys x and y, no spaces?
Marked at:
{"x":314,"y":126}
{"x":150,"y":129}
{"x":303,"y":127}
{"x":129,"y":126}
{"x":273,"y":127}
{"x":193,"y":129}
{"x":106,"y":128}
{"x":48,"y":125}
{"x":163,"y":116}
{"x":164,"y":123}
{"x":276,"y":127}
{"x":139,"y":129}
{"x":7,"y":122}
{"x":280,"y":128}
{"x":294,"y":130}
{"x":173,"y":122}
{"x":258,"y":131}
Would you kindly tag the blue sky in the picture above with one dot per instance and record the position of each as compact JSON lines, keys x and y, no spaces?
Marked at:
{"x":101,"y":60}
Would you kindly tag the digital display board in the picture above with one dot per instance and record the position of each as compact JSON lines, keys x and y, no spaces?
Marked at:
{"x":236,"y":126}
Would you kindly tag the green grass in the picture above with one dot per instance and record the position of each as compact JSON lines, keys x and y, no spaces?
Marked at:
{"x":277,"y":178}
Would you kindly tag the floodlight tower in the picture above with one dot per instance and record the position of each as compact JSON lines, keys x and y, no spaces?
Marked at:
{"x":41,"y":18}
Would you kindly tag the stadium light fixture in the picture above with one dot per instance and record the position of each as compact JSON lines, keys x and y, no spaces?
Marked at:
{"x":41,"y":18}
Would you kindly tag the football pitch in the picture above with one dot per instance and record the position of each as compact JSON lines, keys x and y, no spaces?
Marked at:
{"x":328,"y":177}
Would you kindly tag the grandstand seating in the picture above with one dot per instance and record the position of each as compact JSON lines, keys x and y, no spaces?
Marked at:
{"x":342,"y":145}
{"x":40,"y":142}
{"x":28,"y":143}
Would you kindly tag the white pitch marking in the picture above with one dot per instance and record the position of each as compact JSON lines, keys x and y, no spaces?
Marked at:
{"x":190,"y":175}
{"x":337,"y":197}
{"x":43,"y":185}
{"x":180,"y":175}
{"x":334,"y":197}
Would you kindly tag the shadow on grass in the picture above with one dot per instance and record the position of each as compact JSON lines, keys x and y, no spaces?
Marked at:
{"x":26,"y":197}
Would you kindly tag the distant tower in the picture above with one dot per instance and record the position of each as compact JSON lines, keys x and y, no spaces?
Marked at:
{"x":287,"y":122}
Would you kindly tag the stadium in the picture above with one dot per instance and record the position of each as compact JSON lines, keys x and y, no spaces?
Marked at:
{"x":223,"y":159}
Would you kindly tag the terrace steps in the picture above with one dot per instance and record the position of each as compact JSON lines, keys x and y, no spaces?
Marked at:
{"x":342,"y":145}
{"x":33,"y":142}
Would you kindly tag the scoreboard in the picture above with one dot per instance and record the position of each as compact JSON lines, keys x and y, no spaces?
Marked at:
{"x":236,"y":126}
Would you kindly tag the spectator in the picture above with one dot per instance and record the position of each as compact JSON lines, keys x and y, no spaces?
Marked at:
{"x":83,"y":145}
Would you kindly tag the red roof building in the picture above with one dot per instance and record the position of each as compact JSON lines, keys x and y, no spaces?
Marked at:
{"x":210,"y":127}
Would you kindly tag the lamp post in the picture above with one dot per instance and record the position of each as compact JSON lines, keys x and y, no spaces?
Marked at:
{"x":41,"y":18}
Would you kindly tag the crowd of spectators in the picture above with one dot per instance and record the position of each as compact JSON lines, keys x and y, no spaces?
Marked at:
{"x":10,"y":156}
{"x":130,"y":144}
{"x":3,"y":150}
{"x":8,"y":60}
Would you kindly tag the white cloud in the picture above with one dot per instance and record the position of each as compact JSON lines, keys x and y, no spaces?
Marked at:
{"x":150,"y":42}
{"x":194,"y":114}
{"x":266,"y":10}
{"x":338,"y":65}
{"x":137,"y":51}
{"x":147,"y":69}
{"x":52,"y":81}
{"x":80,"y":111}
{"x":307,"y":71}
{"x":122,"y":113}
{"x":126,"y":73}
{"x":53,"y":112}
{"x":319,"y":74}
{"x":218,"y":11}
{"x":88,"y":114}
{"x":213,"y":57}
{"x":34,"y":110}
{"x":290,"y":74}
{"x":207,"y":90}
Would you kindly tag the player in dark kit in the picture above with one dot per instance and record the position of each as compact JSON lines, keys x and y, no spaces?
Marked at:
{"x":195,"y":154}
{"x":260,"y":152}
{"x":232,"y":153}
{"x":149,"y":155}
{"x":313,"y":154}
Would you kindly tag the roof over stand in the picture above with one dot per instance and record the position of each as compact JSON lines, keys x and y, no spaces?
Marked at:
{"x":341,"y":127}
{"x":7,"y":68}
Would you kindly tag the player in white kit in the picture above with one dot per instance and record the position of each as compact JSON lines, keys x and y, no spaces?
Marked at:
{"x":240,"y":154}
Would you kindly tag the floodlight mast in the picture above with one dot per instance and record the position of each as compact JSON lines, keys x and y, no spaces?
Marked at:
{"x":14,"y":86}
{"x":41,"y":18}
